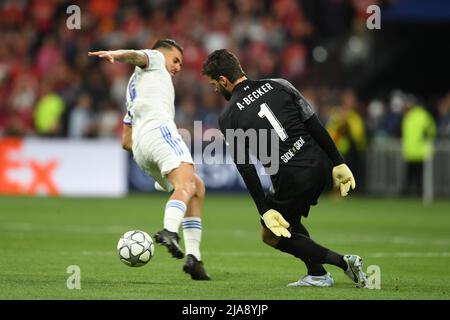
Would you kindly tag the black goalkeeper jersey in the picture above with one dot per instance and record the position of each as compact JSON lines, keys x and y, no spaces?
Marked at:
{"x":274,"y":106}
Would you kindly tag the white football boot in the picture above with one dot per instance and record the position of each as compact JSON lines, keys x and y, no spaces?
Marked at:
{"x":354,"y":270}
{"x":314,"y":281}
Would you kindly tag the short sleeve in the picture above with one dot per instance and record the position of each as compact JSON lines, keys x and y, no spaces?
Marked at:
{"x":155,"y":59}
{"x":128,"y":119}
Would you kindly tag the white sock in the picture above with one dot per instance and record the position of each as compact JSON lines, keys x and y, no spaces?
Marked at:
{"x":173,"y":214}
{"x":192,"y":234}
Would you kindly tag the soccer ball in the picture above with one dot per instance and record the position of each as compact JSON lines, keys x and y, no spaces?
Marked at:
{"x":135,"y":248}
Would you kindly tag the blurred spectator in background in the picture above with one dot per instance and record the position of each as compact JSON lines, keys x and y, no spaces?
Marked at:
{"x":48,"y":112}
{"x":210,"y":104}
{"x":376,"y":111}
{"x":444,"y":117}
{"x":109,"y":120}
{"x":13,"y":125}
{"x":346,"y":127}
{"x":391,"y":125}
{"x":418,"y":133}
{"x":186,"y":113}
{"x":80,"y":123}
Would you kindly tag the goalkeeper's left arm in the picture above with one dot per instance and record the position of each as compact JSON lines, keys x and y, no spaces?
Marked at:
{"x":342,"y":176}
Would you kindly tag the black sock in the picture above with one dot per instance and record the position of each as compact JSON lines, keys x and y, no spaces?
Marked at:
{"x":336,"y":259}
{"x":303,"y":247}
{"x":306,"y":249}
{"x":314,"y":269}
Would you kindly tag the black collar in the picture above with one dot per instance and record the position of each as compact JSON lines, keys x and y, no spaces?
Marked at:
{"x":240,"y":85}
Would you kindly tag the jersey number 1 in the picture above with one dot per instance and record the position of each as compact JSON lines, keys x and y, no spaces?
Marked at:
{"x":265,"y":112}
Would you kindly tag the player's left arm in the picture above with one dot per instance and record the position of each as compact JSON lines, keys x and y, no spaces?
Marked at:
{"x":312,"y":123}
{"x":323,"y":138}
{"x":342,"y":176}
{"x":127,"y":142}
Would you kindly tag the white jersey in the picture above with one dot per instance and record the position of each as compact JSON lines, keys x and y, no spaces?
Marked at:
{"x":150,"y":96}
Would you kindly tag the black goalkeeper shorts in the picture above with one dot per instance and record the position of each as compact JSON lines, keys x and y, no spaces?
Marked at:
{"x":296,"y":189}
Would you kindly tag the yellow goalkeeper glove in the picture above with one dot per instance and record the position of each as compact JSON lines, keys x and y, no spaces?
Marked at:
{"x":343,"y":178}
{"x":276,"y":223}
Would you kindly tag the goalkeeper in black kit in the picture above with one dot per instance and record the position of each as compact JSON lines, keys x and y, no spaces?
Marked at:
{"x":304,"y":155}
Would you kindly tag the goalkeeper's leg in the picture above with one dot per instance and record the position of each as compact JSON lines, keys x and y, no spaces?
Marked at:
{"x":304,"y":248}
{"x":314,"y":269}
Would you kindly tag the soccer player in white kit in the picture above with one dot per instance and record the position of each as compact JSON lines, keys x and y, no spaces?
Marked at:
{"x":150,"y":133}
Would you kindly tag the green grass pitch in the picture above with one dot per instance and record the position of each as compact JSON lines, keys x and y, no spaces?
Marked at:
{"x":41,"y":237}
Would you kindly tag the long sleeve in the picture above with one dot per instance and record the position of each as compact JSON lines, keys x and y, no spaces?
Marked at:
{"x":253,"y":183}
{"x":312,"y":123}
{"x":322,"y":137}
{"x":246,"y":169}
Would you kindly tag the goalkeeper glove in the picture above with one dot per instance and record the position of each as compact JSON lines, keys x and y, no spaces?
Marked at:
{"x":276,"y":223}
{"x":343,"y":178}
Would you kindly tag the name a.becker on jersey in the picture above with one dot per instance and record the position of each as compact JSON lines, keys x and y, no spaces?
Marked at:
{"x":251,"y":97}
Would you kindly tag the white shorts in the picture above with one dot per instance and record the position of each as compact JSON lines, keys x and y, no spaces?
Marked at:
{"x":159,"y":151}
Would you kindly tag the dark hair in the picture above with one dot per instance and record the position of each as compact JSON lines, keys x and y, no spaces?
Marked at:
{"x":223,"y":63}
{"x":168,"y":44}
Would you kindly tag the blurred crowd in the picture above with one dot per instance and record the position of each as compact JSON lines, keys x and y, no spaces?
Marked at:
{"x":50,"y":87}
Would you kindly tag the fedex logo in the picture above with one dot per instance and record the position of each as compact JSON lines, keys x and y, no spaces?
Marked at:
{"x":40,"y":173}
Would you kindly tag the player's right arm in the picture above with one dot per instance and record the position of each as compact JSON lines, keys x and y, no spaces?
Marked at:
{"x":127,"y":142}
{"x":273,"y":220}
{"x":135,"y":57}
{"x":127,"y":131}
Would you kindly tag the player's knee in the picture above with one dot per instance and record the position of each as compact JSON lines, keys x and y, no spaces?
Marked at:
{"x":200,"y":187}
{"x":187,"y":187}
